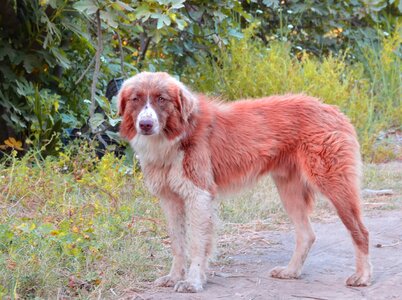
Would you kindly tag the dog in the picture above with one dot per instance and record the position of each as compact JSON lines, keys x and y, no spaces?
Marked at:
{"x":192,"y":148}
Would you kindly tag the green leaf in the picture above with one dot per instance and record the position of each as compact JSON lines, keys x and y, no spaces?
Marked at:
{"x":96,"y":120}
{"x":124,"y":6}
{"x":114,"y":122}
{"x":163,"y":2}
{"x":75,"y":28}
{"x":17,"y":120}
{"x":113,"y":135}
{"x":220,"y":16}
{"x":69,"y":119}
{"x":162,"y":20}
{"x":61,"y":57}
{"x":235,"y":33}
{"x":30,"y":62}
{"x":87,"y":6}
{"x":6,"y":50}
{"x":143,"y":12}
{"x":176,"y":4}
{"x":271,"y":3}
{"x":109,"y":18}
{"x":181,"y":24}
{"x":52,"y":3}
{"x":25,"y":88}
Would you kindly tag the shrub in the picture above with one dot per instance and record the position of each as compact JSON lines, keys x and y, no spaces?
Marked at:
{"x":248,"y":69}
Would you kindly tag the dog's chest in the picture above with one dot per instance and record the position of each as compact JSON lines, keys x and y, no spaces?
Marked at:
{"x":156,"y":177}
{"x":168,"y":179}
{"x":161,"y":163}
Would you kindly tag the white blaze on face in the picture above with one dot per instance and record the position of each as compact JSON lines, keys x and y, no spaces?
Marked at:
{"x":148,"y":114}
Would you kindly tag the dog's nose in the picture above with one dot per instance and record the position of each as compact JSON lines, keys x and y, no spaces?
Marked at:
{"x":146,"y":125}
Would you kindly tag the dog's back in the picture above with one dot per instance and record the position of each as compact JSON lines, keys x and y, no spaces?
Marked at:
{"x":192,"y":148}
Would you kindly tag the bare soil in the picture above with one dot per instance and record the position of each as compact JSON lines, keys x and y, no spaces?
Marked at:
{"x":246,"y":275}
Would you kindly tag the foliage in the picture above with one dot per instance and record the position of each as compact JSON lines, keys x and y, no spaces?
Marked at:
{"x":321,"y":27}
{"x":75,"y":225}
{"x":248,"y":69}
{"x":47,"y":49}
{"x":49,"y":61}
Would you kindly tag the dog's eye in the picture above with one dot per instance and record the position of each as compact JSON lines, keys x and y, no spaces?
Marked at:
{"x":134,"y":99}
{"x":161,"y":99}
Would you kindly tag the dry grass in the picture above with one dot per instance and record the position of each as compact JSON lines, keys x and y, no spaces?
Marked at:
{"x":261,"y":204}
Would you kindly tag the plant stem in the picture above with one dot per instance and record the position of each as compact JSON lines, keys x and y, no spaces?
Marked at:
{"x":99,"y":50}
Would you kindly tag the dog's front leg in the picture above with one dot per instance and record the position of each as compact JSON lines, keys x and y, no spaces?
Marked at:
{"x":175,"y":215}
{"x":200,"y":217}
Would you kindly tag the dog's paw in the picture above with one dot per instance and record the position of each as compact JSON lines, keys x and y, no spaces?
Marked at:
{"x":185,"y":286}
{"x":359,"y":279}
{"x":166,"y":281}
{"x":285,"y":273}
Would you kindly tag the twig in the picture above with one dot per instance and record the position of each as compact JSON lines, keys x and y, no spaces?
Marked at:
{"x":309,"y":297}
{"x":136,"y":296}
{"x":390,"y":245}
{"x":14,"y":204}
{"x":372,"y":193}
{"x":227,"y":275}
{"x":113,"y":198}
{"x":144,"y":46}
{"x":85,"y":71}
{"x":113,"y":292}
{"x":121,"y":54}
{"x":100,"y":138}
{"x":99,"y":50}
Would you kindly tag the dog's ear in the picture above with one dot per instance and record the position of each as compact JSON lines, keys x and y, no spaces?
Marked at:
{"x":188,"y":102}
{"x":122,"y":101}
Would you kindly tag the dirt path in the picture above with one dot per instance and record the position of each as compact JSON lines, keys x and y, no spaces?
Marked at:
{"x":331,"y":260}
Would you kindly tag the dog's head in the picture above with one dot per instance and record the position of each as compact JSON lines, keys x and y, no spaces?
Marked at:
{"x":154,"y":104}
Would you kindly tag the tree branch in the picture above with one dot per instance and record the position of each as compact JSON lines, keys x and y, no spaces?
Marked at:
{"x":86,"y":71}
{"x":144,"y":46}
{"x":121,"y":54}
{"x":99,"y":50}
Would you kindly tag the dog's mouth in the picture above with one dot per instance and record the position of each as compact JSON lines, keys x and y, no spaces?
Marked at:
{"x":149,"y":131}
{"x":143,"y":132}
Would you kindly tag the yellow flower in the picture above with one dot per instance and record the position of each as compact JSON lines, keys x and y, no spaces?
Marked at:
{"x":12,"y":143}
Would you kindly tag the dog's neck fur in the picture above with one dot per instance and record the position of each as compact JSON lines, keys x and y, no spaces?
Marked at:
{"x":155,"y":150}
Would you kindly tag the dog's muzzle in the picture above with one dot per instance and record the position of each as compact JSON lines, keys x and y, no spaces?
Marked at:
{"x":147,"y":121}
{"x":146,"y":126}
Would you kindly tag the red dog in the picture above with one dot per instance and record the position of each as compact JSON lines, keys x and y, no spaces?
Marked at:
{"x":191,"y":149}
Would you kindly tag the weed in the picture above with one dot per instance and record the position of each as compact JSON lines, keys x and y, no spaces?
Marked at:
{"x":71,"y":235}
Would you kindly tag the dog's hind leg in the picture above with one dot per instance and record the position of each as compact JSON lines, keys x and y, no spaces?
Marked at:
{"x":175,"y":215}
{"x":332,"y":164}
{"x":297,"y":199}
{"x":344,"y":194}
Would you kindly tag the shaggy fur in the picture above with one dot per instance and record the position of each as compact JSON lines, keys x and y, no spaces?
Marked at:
{"x":191,"y":149}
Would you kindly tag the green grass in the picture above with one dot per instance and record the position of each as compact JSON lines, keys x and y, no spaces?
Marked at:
{"x":75,"y":227}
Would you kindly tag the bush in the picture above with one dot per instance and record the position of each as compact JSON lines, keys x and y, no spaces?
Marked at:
{"x":249,"y":69}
